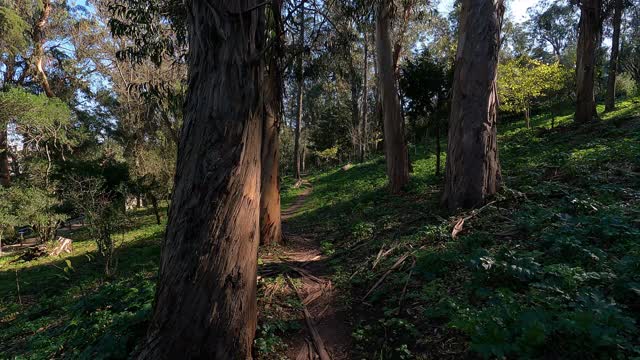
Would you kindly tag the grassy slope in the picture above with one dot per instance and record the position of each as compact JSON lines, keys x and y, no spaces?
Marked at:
{"x":551,"y":269}
{"x":533,"y":275}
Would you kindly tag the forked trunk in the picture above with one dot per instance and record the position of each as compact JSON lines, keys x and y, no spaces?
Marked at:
{"x":610,"y":103}
{"x":396,"y":152}
{"x":205,"y":305}
{"x":5,"y":170}
{"x":473,"y":170}
{"x":586,"y":60}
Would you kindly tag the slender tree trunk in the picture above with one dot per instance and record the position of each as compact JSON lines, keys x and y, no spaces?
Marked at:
{"x":610,"y":104}
{"x":527,"y":117}
{"x":38,"y":41}
{"x":473,"y":170}
{"x":270,"y":222}
{"x":296,"y":149}
{"x":588,"y":41}
{"x":205,"y":305}
{"x":5,"y":170}
{"x":355,"y":113}
{"x":395,"y":147}
{"x":365,"y":100}
{"x":156,"y":209}
{"x":438,"y":149}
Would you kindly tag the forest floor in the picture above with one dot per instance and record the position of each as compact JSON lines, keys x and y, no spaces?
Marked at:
{"x":297,"y":276}
{"x":550,"y":269}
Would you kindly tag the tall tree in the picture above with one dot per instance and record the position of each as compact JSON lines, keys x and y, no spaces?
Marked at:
{"x":270,"y":221}
{"x":300,"y":79}
{"x":395,"y":146}
{"x":206,"y":296}
{"x":588,"y":43}
{"x":473,"y":169}
{"x":610,"y":103}
{"x":365,"y":99}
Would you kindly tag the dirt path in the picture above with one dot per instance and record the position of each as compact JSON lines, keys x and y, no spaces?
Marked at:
{"x":306,"y":266}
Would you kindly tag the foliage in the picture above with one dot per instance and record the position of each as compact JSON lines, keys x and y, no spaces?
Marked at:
{"x":104,"y":213}
{"x":551,"y":270}
{"x":523,"y":81}
{"x":13,"y":31}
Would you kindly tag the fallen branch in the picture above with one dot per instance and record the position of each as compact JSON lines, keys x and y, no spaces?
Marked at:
{"x":317,"y":340}
{"x":404,"y":290}
{"x":391,"y":269}
{"x":457,"y":228}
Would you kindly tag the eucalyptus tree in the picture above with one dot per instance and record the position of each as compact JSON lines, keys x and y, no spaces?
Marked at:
{"x":206,"y":296}
{"x":554,"y":24}
{"x":396,"y":153}
{"x":472,"y":169}
{"x":618,"y":10}
{"x":593,"y":14}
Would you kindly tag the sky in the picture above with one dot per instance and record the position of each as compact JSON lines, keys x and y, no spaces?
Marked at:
{"x":517,"y":8}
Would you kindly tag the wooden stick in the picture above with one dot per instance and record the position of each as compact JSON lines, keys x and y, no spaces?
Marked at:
{"x":317,"y":340}
{"x":395,"y":266}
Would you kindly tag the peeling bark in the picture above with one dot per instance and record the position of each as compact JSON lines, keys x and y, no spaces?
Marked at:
{"x":396,"y":152}
{"x":205,"y":306}
{"x":473,"y":169}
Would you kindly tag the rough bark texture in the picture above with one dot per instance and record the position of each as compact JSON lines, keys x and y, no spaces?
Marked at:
{"x":5,"y":171}
{"x":296,"y":149}
{"x":38,"y":41}
{"x":206,"y":296}
{"x":365,"y":100}
{"x":270,"y":222}
{"x":588,"y":41}
{"x":472,"y":169}
{"x":394,"y":142}
{"x":610,"y":103}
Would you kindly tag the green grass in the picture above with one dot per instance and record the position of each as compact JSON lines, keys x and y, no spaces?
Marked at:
{"x":550,"y":270}
{"x":77,"y":313}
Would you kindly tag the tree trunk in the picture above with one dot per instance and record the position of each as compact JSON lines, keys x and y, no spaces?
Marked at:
{"x":473,"y":170}
{"x":205,"y":305}
{"x":5,"y":170}
{"x":38,"y":41}
{"x":438,"y":149}
{"x":270,"y":222}
{"x":355,"y":113}
{"x":156,"y":209}
{"x":394,"y":142}
{"x":365,"y":102}
{"x":586,"y":60}
{"x":296,"y":149}
{"x":610,"y":103}
{"x":527,"y":117}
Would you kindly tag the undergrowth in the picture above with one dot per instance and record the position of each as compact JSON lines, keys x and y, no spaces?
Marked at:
{"x":550,"y":269}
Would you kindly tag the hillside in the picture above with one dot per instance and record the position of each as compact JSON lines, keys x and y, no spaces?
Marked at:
{"x":549,"y":269}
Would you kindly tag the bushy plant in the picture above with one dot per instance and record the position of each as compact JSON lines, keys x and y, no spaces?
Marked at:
{"x":104,"y":213}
